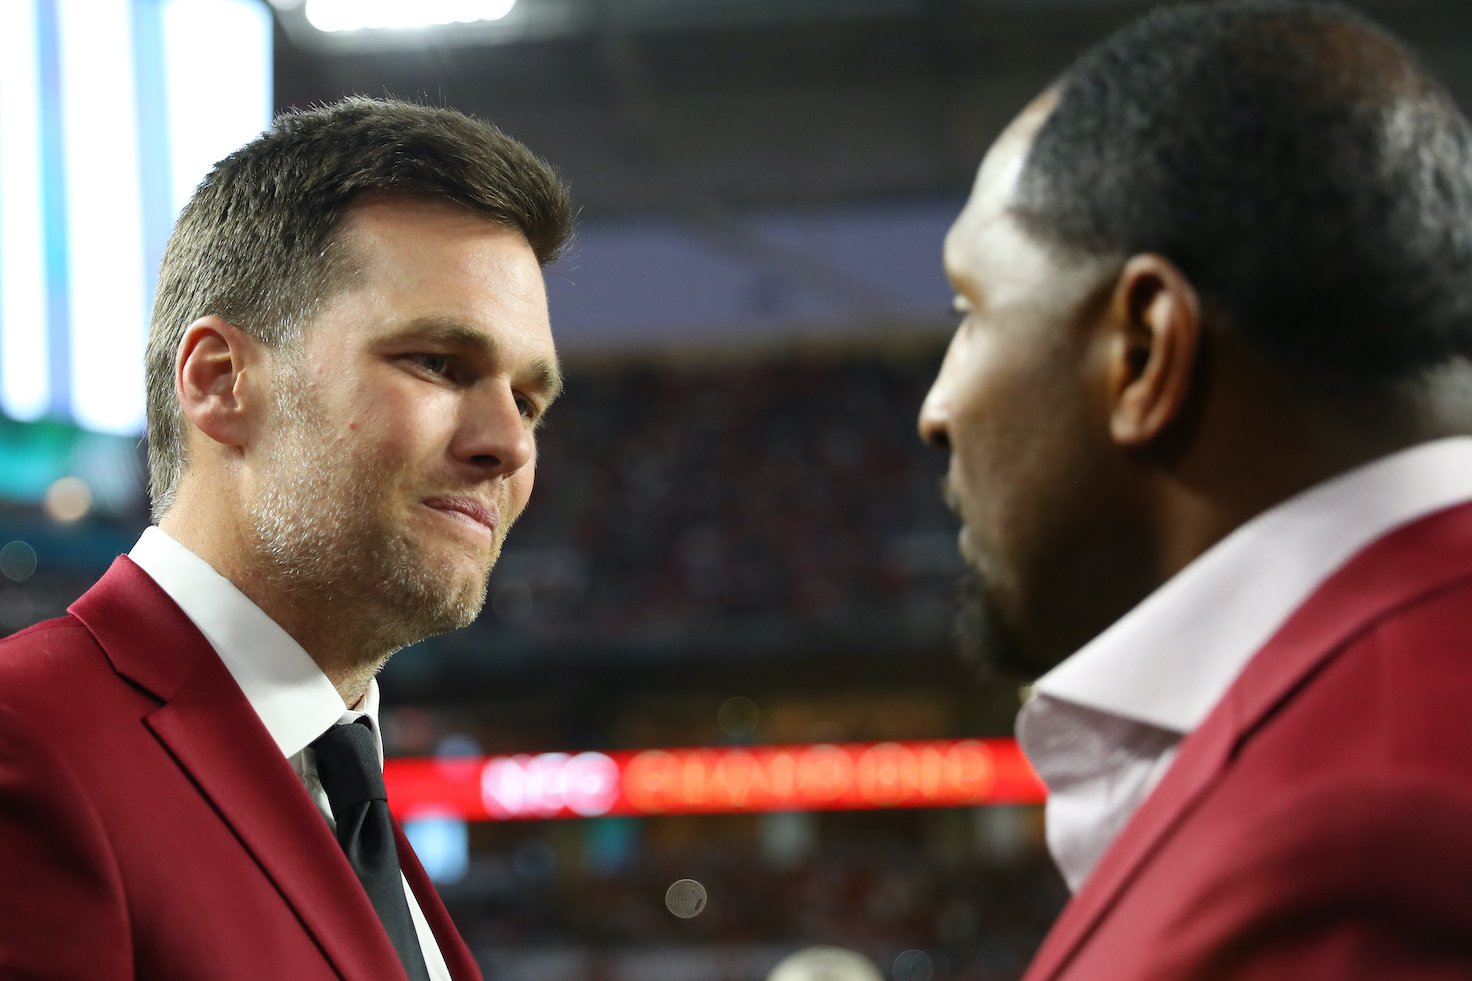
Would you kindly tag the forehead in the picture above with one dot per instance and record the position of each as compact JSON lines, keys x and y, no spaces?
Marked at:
{"x":985,"y":218}
{"x":427,"y":260}
{"x":412,"y":238}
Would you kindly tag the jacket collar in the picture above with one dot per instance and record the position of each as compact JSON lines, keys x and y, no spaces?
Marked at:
{"x":1402,"y":566}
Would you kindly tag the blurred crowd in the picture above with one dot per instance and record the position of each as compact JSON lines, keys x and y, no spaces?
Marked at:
{"x":921,"y":916}
{"x":673,"y":497}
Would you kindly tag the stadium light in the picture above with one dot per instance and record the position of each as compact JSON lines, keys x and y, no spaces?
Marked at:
{"x":336,"y":16}
{"x":25,"y":382}
{"x":108,"y":119}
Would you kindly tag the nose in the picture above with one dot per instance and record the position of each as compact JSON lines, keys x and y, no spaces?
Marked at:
{"x":492,"y":434}
{"x":934,"y":423}
{"x":935,"y":412}
{"x":934,"y":418}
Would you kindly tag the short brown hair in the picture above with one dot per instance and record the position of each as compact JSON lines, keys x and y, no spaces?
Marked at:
{"x":254,"y":244}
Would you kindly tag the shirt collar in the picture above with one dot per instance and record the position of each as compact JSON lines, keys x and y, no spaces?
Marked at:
{"x":1172,"y":658}
{"x":295,"y":701}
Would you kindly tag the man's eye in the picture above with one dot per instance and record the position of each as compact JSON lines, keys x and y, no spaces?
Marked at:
{"x":435,"y":364}
{"x":527,"y":407}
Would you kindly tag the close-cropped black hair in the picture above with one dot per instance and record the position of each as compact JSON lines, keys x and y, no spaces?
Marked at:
{"x":1294,"y":160}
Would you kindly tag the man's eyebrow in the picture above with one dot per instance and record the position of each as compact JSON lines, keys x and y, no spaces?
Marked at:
{"x":443,"y":330}
{"x":545,"y":373}
{"x":547,"y":376}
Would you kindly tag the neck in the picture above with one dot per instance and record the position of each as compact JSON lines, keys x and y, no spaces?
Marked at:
{"x":335,"y":636}
{"x":1248,"y":452}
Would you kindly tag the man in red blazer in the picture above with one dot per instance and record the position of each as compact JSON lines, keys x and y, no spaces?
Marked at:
{"x":1208,"y":413}
{"x":350,"y":352}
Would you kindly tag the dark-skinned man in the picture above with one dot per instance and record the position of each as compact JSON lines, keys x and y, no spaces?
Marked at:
{"x":1207,"y":414}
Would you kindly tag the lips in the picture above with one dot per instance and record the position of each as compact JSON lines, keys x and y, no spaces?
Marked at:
{"x":466,"y":508}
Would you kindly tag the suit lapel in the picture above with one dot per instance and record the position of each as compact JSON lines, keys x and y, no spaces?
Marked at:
{"x":1402,"y":566}
{"x":209,"y":728}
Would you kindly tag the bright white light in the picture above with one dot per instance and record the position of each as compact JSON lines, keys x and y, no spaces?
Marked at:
{"x":25,"y":389}
{"x":104,"y":213}
{"x":214,"y":104}
{"x":206,"y":76}
{"x":357,"y":15}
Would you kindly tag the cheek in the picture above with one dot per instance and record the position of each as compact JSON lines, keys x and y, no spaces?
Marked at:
{"x":405,"y":431}
{"x":1010,"y":465}
{"x":378,"y":445}
{"x":520,"y":488}
{"x":991,"y":441}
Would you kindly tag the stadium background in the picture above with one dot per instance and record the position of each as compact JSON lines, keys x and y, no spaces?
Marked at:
{"x":736,"y":539}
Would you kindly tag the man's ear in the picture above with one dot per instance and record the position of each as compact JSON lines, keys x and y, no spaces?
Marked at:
{"x":212,"y":370}
{"x":1152,"y":376}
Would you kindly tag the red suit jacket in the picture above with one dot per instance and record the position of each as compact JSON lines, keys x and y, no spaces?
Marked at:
{"x":1318,"y":825}
{"x":149,"y":826}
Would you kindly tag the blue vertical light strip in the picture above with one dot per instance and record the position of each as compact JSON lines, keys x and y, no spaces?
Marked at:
{"x":24,"y":389}
{"x":154,"y":156}
{"x":212,"y":114}
{"x":117,"y":115}
{"x":105,"y":215}
{"x":54,"y":210}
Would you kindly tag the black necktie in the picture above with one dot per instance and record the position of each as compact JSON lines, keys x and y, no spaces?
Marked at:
{"x":347,"y":763}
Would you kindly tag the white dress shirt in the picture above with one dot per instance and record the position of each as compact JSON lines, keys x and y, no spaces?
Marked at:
{"x":1104,"y":725}
{"x":294,"y":699}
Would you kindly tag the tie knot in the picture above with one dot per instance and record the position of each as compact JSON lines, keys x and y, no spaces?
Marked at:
{"x":347,"y":765}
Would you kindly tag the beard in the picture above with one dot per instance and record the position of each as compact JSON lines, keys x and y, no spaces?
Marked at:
{"x":988,"y":642}
{"x":327,"y":539}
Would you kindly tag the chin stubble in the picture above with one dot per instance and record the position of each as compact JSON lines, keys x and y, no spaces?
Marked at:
{"x":987,"y":643}
{"x":324,"y":543}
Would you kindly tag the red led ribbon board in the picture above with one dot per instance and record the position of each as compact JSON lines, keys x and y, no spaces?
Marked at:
{"x":813,"y":777}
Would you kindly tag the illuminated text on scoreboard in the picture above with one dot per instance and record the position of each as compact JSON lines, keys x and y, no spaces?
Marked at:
{"x":824,"y":776}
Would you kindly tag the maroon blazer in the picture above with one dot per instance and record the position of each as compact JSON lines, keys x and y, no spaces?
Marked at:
{"x":1318,"y":824}
{"x":149,"y":826}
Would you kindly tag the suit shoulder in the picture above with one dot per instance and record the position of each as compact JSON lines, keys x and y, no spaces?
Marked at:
{"x":1438,"y":620}
{"x":44,"y":639}
{"x":46,"y":657}
{"x":1408,"y":683}
{"x":1396,"y":697}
